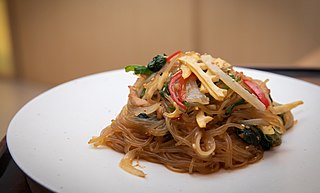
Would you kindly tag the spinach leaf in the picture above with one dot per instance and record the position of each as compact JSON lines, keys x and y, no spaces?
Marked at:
{"x":254,"y":136}
{"x":154,"y":66}
{"x":265,"y":142}
{"x":138,"y":69}
{"x":275,"y":139}
{"x":250,"y":135}
{"x":157,"y":63}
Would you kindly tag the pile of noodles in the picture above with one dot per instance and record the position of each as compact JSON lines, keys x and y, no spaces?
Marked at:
{"x":175,"y":139}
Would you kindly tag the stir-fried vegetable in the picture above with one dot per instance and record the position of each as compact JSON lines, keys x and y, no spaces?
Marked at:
{"x":197,"y":76}
{"x":258,"y":92}
{"x":153,"y":66}
{"x":249,"y":135}
{"x":193,"y":93}
{"x":138,"y":69}
{"x":206,"y":80}
{"x":254,"y":136}
{"x":157,"y":63}
{"x":164,"y":90}
{"x":173,"y":55}
{"x":286,"y":107}
{"x":195,"y":113}
{"x":235,"y":86}
{"x":172,"y":90}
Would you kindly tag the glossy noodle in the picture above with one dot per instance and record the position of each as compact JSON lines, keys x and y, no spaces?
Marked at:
{"x":195,"y":113}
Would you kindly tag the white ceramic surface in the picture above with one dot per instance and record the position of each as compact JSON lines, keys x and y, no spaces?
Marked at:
{"x":48,"y":140}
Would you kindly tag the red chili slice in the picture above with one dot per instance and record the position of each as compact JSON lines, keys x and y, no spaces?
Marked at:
{"x":256,"y":90}
{"x":172,"y":91}
{"x":173,"y":55}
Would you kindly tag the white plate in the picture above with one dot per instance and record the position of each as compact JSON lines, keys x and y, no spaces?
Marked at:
{"x":48,"y":139}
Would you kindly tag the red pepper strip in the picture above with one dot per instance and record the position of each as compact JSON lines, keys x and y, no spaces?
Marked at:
{"x":173,"y":55}
{"x":174,"y":79}
{"x":183,"y":84}
{"x":256,"y":90}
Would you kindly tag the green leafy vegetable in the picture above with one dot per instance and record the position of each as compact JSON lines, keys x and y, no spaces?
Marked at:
{"x":237,"y":79}
{"x":230,"y":108}
{"x":250,"y":135}
{"x":164,"y":90}
{"x":254,"y":136}
{"x":171,"y":109}
{"x":154,"y":66}
{"x":275,"y":139}
{"x":138,"y":69}
{"x":265,"y":142}
{"x":157,"y":63}
{"x":186,"y":104}
{"x":232,"y":76}
{"x":268,"y":141}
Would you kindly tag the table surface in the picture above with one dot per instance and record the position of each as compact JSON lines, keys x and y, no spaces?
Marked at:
{"x":15,"y":94}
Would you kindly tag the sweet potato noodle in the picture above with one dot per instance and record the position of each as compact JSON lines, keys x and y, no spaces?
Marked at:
{"x":195,"y":113}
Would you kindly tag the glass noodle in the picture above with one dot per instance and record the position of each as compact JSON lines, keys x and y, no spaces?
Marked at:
{"x":195,"y":113}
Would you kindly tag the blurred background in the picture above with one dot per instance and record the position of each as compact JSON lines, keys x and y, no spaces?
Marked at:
{"x":47,"y":42}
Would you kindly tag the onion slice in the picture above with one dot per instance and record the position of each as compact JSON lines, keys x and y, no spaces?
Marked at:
{"x":193,"y":93}
{"x":286,"y":107}
{"x":236,"y":87}
{"x":126,"y":164}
